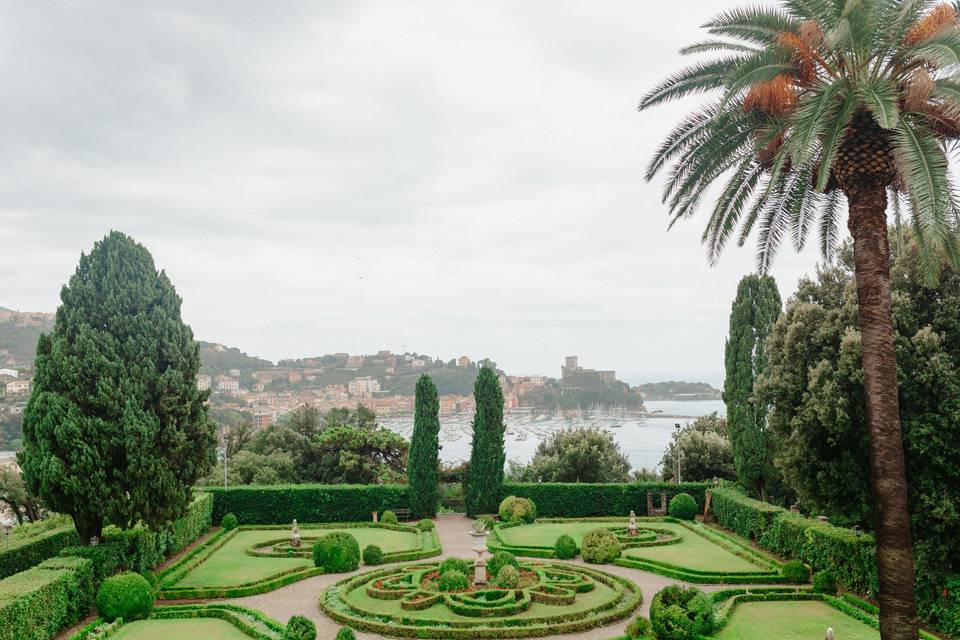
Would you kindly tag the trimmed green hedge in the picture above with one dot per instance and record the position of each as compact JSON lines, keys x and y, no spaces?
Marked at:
{"x":26,"y":550}
{"x":748,"y":517}
{"x":580,"y":500}
{"x":35,"y":604}
{"x":280,"y":504}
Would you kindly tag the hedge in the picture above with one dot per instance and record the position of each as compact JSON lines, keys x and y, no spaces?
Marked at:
{"x":26,"y":550}
{"x":580,"y":500}
{"x":35,"y":604}
{"x":280,"y":504}
{"x":748,"y":517}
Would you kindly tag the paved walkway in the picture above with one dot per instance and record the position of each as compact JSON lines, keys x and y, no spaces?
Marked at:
{"x":301,"y":598}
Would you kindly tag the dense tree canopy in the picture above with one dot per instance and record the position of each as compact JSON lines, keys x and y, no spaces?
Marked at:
{"x":487,"y":456}
{"x":705,"y":451}
{"x":575,"y":455}
{"x":116,"y":430}
{"x":424,"y":462}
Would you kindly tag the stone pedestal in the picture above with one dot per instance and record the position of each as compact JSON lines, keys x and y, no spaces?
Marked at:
{"x":480,"y":571}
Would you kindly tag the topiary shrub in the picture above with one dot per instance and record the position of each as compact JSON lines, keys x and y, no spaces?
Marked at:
{"x":681,"y":614}
{"x":514,"y":509}
{"x":389,"y":517}
{"x":346,"y":633}
{"x":456,"y":564}
{"x":640,"y":629}
{"x":824,"y":582}
{"x":125,"y":595}
{"x":683,"y":507}
{"x":565,"y":548}
{"x":453,"y":581}
{"x":508,"y":577}
{"x":336,"y":552}
{"x":599,"y":546}
{"x":501,"y":559}
{"x":796,"y":571}
{"x":229,"y":521}
{"x":300,"y":628}
{"x":488,"y":521}
{"x":372,"y":555}
{"x":426,"y":525}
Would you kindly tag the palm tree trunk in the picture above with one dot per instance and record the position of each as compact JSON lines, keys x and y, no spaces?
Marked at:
{"x":867,"y":222}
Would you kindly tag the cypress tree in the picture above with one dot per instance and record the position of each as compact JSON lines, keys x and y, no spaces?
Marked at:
{"x":116,"y":430}
{"x":754,"y":311}
{"x":487,"y":457}
{"x":424,"y":460}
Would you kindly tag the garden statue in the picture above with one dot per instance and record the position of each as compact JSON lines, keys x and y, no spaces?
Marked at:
{"x":295,"y":534}
{"x":829,"y":635}
{"x":632,"y":527}
{"x":479,"y":534}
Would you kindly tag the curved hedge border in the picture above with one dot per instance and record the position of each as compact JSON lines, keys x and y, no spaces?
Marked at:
{"x":251,"y":622}
{"x":428,"y":545}
{"x":497,"y":543}
{"x":628,"y":599}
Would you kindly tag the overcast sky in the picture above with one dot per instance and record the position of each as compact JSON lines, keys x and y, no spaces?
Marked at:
{"x":456,"y":177}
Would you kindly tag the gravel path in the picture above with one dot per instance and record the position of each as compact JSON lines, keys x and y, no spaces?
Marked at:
{"x":301,"y":598}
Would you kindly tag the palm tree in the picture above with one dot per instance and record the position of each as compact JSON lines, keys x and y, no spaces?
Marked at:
{"x":817,"y":102}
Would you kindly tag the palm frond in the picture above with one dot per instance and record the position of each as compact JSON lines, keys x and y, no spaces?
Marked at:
{"x":729,"y":207}
{"x":825,"y":12}
{"x":699,"y":78}
{"x":752,"y":24}
{"x":835,"y":129}
{"x":829,"y":224}
{"x":898,"y":16}
{"x":941,"y":51}
{"x":711,"y":46}
{"x":763,"y":67}
{"x":808,"y":122}
{"x":948,"y":91}
{"x":880,"y":97}
{"x":680,"y":138}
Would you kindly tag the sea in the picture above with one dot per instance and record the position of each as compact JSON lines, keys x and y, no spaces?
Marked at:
{"x":643,"y":441}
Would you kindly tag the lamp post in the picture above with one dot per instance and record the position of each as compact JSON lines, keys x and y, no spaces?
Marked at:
{"x":676,"y":445}
{"x":226,"y":447}
{"x":858,"y":532}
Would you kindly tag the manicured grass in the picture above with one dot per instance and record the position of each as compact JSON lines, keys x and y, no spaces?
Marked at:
{"x":186,"y":629}
{"x":694,"y":552}
{"x":230,"y":565}
{"x":792,"y":621}
{"x":545,"y":534}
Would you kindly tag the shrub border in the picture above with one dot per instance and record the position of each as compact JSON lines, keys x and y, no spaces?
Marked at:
{"x":233,"y":614}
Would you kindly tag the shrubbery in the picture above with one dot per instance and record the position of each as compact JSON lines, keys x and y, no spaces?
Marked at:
{"x":599,"y":546}
{"x":681,"y":614}
{"x":683,"y":506}
{"x":300,"y":628}
{"x":346,"y":633}
{"x":514,"y":509}
{"x":125,"y":595}
{"x":38,"y":602}
{"x":31,"y":544}
{"x":229,"y":522}
{"x":500,"y":560}
{"x":389,"y":517}
{"x":372,"y":555}
{"x":508,"y":577}
{"x":426,"y":525}
{"x":796,"y":571}
{"x":823,"y":582}
{"x":280,"y":504}
{"x":640,"y":629}
{"x":565,"y":548}
{"x":488,"y":520}
{"x":337,"y":552}
{"x":455,"y":564}
{"x":453,"y":581}
{"x":581,"y":500}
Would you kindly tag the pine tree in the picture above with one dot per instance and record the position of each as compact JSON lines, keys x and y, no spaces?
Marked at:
{"x":116,"y":430}
{"x":487,"y":457}
{"x":754,"y":311}
{"x":424,"y":461}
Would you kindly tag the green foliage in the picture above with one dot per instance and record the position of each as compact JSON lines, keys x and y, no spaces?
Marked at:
{"x":748,"y":517}
{"x":508,"y":577}
{"x":300,"y":628}
{"x":681,"y":614}
{"x":107,"y":559}
{"x":31,"y":544}
{"x":346,"y":633}
{"x":13,"y":491}
{"x":640,"y":629}
{"x":126,"y":595}
{"x":599,"y":546}
{"x":823,"y":582}
{"x":229,"y":521}
{"x":565,"y":548}
{"x":453,"y":581}
{"x":796,"y":571}
{"x":500,"y":560}
{"x":35,"y":604}
{"x":683,"y":506}
{"x":372,"y":555}
{"x":424,"y":461}
{"x":280,"y":504}
{"x":456,"y":564}
{"x":705,"y":451}
{"x":576,"y":455}
{"x":426,"y":525}
{"x":573,"y":500}
{"x":514,"y":509}
{"x":754,"y":311}
{"x":389,"y":517}
{"x":354,"y":455}
{"x":487,"y":457}
{"x":337,"y":552}
{"x":488,"y":521}
{"x":116,"y":430}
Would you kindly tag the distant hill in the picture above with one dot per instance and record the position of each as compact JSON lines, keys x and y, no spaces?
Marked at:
{"x":679,"y":390}
{"x":217,"y":358}
{"x":19,"y":332}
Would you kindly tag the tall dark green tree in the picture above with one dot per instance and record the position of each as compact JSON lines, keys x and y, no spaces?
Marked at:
{"x":424,"y":462}
{"x":116,"y":430}
{"x":487,"y":457}
{"x":754,"y":311}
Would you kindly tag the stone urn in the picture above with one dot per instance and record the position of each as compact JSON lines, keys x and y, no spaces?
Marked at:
{"x":479,"y":533}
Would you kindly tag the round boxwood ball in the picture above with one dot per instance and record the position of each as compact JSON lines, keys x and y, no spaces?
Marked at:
{"x":456,"y":564}
{"x":508,"y":577}
{"x":125,"y":595}
{"x":346,"y":633}
{"x":683,"y":507}
{"x":229,"y":521}
{"x":514,"y":509}
{"x":389,"y":517}
{"x":501,"y":559}
{"x":640,"y":629}
{"x":300,"y":628}
{"x":796,"y":571}
{"x":681,"y":614}
{"x":426,"y":525}
{"x":600,"y":546}
{"x":453,"y":581}
{"x":565,"y":548}
{"x":336,"y":552}
{"x":823,"y":582}
{"x":372,"y":555}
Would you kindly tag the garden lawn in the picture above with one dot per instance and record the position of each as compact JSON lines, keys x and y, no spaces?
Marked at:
{"x":792,"y":621}
{"x":230,"y":565}
{"x":546,"y":534}
{"x":694,"y":552}
{"x":186,"y":629}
